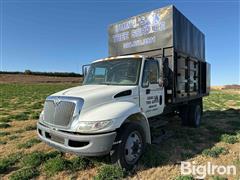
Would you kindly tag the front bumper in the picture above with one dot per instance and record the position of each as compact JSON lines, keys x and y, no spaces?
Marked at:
{"x":84,"y":145}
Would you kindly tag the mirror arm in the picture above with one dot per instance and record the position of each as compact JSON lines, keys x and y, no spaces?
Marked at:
{"x":83,"y":70}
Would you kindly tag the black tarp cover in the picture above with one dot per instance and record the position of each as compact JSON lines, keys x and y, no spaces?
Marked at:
{"x":160,"y":28}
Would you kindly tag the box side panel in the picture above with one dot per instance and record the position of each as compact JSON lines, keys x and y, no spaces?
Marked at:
{"x":145,"y":32}
{"x":208,"y":78}
{"x":191,"y":78}
{"x":188,"y":39}
{"x":187,"y":77}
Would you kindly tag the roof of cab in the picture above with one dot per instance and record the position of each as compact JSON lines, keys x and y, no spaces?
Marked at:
{"x":118,"y":57}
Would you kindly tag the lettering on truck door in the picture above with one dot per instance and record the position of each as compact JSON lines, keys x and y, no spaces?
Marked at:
{"x":152,"y":99}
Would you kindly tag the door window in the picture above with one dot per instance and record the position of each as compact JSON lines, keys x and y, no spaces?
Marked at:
{"x":150,"y":73}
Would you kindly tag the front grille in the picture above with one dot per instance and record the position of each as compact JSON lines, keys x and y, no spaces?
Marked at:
{"x":59,"y":114}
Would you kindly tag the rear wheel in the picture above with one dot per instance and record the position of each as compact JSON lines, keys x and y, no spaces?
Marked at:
{"x":195,"y":115}
{"x":191,"y":114}
{"x":129,"y":150}
{"x":183,"y":113}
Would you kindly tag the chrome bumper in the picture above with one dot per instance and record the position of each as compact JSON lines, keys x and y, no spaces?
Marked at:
{"x":84,"y":145}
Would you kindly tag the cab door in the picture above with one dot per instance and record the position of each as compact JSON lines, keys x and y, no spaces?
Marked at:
{"x":151,"y":93}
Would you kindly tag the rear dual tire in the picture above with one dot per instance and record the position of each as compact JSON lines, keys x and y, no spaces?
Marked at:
{"x":191,"y":114}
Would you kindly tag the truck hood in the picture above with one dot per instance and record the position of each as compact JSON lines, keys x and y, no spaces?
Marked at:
{"x":95,"y":95}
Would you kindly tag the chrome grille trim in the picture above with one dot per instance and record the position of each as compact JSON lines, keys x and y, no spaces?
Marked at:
{"x":60,"y":110}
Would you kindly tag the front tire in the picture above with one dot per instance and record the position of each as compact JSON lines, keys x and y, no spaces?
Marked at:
{"x":131,"y":146}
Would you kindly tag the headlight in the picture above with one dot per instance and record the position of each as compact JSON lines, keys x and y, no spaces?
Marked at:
{"x":41,"y":116}
{"x":88,"y":126}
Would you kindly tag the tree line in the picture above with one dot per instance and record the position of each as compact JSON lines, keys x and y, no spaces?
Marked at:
{"x":29,"y":72}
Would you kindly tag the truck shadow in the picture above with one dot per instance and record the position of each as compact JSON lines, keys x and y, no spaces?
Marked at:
{"x":186,"y":142}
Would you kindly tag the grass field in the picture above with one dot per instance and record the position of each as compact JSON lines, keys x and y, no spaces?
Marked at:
{"x":23,"y":156}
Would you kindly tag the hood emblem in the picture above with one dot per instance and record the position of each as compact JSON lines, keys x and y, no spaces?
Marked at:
{"x":56,"y":101}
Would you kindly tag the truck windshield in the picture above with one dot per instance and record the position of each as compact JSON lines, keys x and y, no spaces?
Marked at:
{"x":114,"y":72}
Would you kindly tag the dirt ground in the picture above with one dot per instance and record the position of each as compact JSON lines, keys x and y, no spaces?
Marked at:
{"x":29,"y":79}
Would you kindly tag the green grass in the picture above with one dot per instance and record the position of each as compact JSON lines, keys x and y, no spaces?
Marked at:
{"x":4,"y":125}
{"x":52,"y":154}
{"x":12,"y":137}
{"x":19,"y":131}
{"x":153,"y":157}
{"x":215,"y":152}
{"x":109,"y":172}
{"x":184,"y":177}
{"x":34,"y":115}
{"x":37,"y":105}
{"x":24,"y":174}
{"x":20,"y":117}
{"x":9,"y":161}
{"x":186,"y":143}
{"x":54,"y":165}
{"x":217,"y":100}
{"x":79,"y":163}
{"x":3,"y":142}
{"x":33,"y":160}
{"x":3,"y":133}
{"x":5,"y":119}
{"x":29,"y":143}
{"x":24,"y":94}
{"x":30,"y":128}
{"x":230,"y":139}
{"x":218,"y":178}
{"x":27,"y":99}
{"x":186,"y":155}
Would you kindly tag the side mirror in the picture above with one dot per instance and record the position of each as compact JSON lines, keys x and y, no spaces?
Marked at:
{"x":165,"y":66}
{"x":85,"y":69}
{"x":161,"y":82}
{"x":146,"y":84}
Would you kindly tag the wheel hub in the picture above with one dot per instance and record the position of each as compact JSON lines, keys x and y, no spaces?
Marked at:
{"x":133,"y":147}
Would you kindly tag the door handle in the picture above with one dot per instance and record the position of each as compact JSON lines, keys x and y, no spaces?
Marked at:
{"x":148,"y":91}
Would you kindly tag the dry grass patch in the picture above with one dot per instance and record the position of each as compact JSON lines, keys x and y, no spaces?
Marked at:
{"x":29,"y":143}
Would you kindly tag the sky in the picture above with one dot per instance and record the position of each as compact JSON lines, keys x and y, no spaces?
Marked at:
{"x":63,"y":35}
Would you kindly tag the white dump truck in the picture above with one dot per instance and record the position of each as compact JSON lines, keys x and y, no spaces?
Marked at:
{"x":156,"y":66}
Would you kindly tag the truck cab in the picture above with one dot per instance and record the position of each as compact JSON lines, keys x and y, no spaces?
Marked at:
{"x":139,"y":75}
{"x":117,"y":93}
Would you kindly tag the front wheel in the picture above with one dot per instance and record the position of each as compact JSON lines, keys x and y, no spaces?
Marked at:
{"x":131,"y":146}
